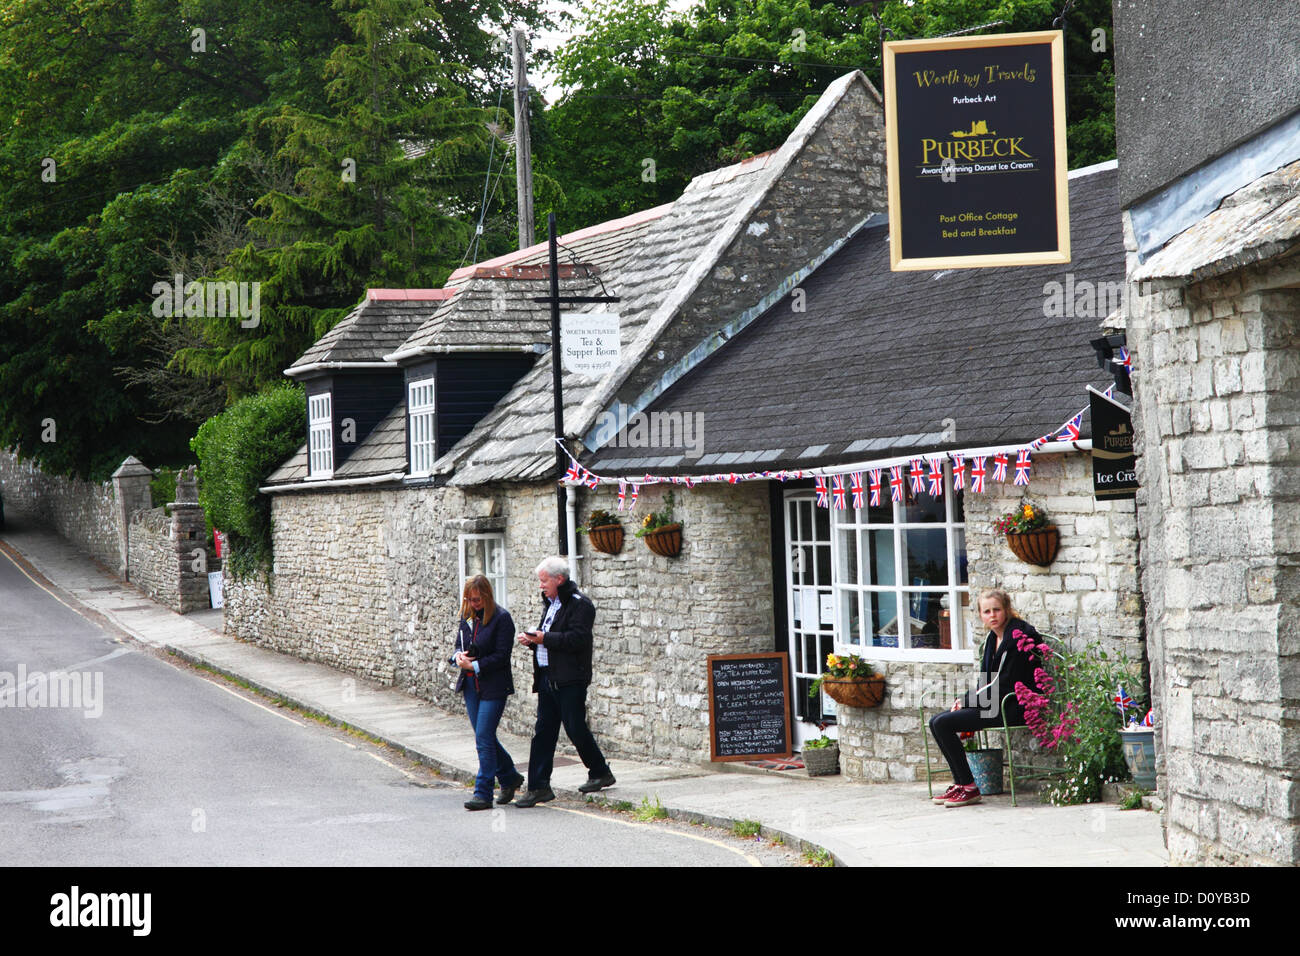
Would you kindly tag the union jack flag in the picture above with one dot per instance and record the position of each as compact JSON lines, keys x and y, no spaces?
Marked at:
{"x":631,"y":501}
{"x":733,"y":478}
{"x":857,"y":489}
{"x":1110,"y":391}
{"x":1022,"y":467}
{"x":622,"y":495}
{"x":896,"y":483}
{"x":977,"y":476}
{"x":1071,"y":428}
{"x":1000,"y":466}
{"x":1122,"y":700}
{"x":1125,"y":359}
{"x":958,"y":472}
{"x":823,"y":494}
{"x":1149,"y":719}
{"x":574,"y":473}
{"x":917,"y":474}
{"x":837,"y":492}
{"x":592,"y":481}
{"x":936,"y":477}
{"x":688,"y":481}
{"x":1041,"y":440}
{"x":875,"y":487}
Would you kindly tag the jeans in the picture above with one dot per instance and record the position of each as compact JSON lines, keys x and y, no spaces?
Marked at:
{"x":493,"y":761}
{"x":945,"y":728}
{"x":558,"y":706}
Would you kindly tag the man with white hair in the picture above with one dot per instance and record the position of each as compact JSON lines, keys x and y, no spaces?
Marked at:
{"x":561,"y":648}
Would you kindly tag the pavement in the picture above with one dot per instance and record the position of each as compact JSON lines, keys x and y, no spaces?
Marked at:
{"x":859,"y":824}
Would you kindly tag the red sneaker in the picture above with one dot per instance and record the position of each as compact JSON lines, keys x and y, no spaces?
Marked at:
{"x":942,"y":798}
{"x":963,"y":797}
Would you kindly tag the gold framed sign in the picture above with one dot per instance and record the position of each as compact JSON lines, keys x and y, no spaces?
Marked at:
{"x":976,"y":151}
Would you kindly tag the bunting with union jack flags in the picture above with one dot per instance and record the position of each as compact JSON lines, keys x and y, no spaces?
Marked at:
{"x":917,"y":475}
{"x":1000,"y":466}
{"x":823,"y":493}
{"x":875,"y":487}
{"x":622,"y":495}
{"x":958,"y":472}
{"x":1072,"y":427}
{"x":856,"y":487}
{"x":837,"y":491}
{"x":1022,"y":467}
{"x":896,"y":483}
{"x":936,"y":477}
{"x":977,"y":476}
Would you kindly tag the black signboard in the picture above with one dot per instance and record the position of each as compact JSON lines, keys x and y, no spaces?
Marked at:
{"x":1114,"y":466}
{"x":977,"y":164}
{"x":749,"y":713}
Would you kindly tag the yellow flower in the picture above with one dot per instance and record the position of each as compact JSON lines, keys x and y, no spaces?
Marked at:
{"x":1029,"y":511}
{"x":832,"y":660}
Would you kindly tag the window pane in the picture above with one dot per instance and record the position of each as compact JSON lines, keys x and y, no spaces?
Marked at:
{"x":882,"y":513}
{"x":922,"y":508}
{"x":824,"y":564}
{"x":959,"y":540}
{"x":923,"y":617}
{"x":846,"y":572}
{"x":822,"y":522}
{"x":884,"y":618}
{"x":849,"y":615}
{"x":927,"y":557}
{"x":882,"y":558}
{"x":960,"y":507}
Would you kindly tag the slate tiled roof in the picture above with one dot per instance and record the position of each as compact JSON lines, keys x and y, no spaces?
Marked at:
{"x":381,"y":322}
{"x":514,"y":441}
{"x":1256,"y":222}
{"x":880,"y":359}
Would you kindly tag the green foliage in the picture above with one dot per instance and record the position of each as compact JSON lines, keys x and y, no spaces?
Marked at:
{"x":651,"y":811}
{"x":816,"y":856}
{"x":162,"y":487}
{"x":821,"y":743}
{"x":599,"y":518}
{"x":1132,"y":800}
{"x":237,"y":450}
{"x":657,"y":519}
{"x":746,"y":828}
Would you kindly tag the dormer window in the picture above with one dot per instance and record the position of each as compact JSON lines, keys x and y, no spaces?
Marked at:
{"x":419,"y":404}
{"x":320,"y":436}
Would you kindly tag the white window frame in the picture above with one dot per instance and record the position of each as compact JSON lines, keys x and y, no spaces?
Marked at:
{"x":421,"y":426}
{"x":964,"y":635}
{"x":498,"y":577}
{"x":320,"y":436}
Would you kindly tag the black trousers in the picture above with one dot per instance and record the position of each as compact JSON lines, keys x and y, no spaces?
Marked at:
{"x":946,"y":726}
{"x":561,"y":706}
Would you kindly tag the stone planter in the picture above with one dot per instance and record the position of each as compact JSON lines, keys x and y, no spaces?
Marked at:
{"x":822,"y":761}
{"x":986,"y":767}
{"x":1140,"y":755}
{"x":855,"y":691}
{"x":1035,"y":547}
{"x":665,"y":541}
{"x":608,"y":538}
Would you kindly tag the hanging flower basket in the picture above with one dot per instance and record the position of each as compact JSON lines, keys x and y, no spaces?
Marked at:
{"x":1035,"y":547}
{"x":665,"y":541}
{"x":607,"y":539}
{"x":855,"y":691}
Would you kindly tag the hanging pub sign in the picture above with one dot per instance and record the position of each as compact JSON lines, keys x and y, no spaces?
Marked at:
{"x":1114,"y":465}
{"x":976,"y":151}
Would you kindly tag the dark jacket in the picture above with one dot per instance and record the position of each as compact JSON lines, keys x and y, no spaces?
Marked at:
{"x":1000,"y":671}
{"x":568,"y":642}
{"x":491,"y":648}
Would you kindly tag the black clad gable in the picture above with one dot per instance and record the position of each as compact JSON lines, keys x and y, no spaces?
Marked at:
{"x":359,"y":402}
{"x":468,"y":385}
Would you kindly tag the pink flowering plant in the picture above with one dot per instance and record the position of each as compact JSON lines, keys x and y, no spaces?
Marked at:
{"x":1072,"y":714}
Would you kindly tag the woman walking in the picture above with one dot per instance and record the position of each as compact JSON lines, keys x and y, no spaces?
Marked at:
{"x":484,"y":641}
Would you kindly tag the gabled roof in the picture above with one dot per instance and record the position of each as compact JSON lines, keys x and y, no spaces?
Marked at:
{"x":682,"y":251}
{"x":885,"y":363}
{"x":379,"y":323}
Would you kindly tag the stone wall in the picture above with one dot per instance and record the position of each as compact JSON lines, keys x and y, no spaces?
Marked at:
{"x":1217,"y":375}
{"x":161,"y":559}
{"x":83,"y":512}
{"x":1090,"y":592}
{"x":366,"y":581}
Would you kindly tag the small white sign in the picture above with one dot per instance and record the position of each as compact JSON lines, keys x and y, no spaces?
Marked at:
{"x":589,"y":342}
{"x":828,"y":610}
{"x":808,"y":617}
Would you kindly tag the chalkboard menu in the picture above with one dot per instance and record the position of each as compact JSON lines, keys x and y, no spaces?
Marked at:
{"x":976,"y":151}
{"x":749,"y":712}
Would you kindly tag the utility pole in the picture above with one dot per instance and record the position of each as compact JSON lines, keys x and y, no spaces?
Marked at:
{"x":523,"y":144}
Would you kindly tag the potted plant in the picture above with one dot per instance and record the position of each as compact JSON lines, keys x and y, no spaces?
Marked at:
{"x":1071,"y":714}
{"x":985,"y":763}
{"x":604,"y":531}
{"x":851,"y":681}
{"x":661,"y":534}
{"x":821,"y":757}
{"x":1139,"y":742}
{"x":1031,"y":537}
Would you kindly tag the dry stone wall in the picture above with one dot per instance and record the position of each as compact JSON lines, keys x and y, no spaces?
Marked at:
{"x":83,"y":512}
{"x":1217,"y":373}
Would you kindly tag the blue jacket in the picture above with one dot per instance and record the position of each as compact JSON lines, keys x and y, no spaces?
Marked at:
{"x":491,"y":649}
